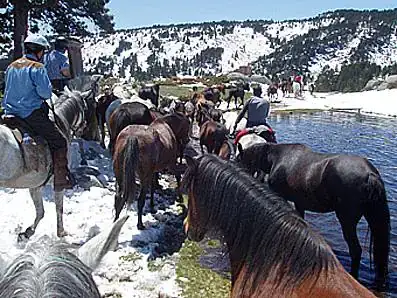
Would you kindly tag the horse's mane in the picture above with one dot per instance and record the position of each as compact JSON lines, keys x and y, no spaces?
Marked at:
{"x":45,"y":270}
{"x":268,"y":235}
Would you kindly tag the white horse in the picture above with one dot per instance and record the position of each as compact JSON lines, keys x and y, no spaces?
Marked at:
{"x":296,"y":87}
{"x":31,"y":166}
{"x":48,"y":269}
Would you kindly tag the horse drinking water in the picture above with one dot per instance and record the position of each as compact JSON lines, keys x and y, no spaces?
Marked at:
{"x":349,"y":185}
{"x":273,"y":252}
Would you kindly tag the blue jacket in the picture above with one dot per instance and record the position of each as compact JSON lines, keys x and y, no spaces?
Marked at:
{"x":27,"y":86}
{"x":55,"y":61}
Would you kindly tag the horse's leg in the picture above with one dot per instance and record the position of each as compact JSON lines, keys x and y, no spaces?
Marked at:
{"x":102,"y":130}
{"x":119,"y":202}
{"x":81,"y":151}
{"x":178,"y":183}
{"x":58,"y":198}
{"x":152,"y":210}
{"x":349,"y":220}
{"x":141,"y":204}
{"x":37,"y":198}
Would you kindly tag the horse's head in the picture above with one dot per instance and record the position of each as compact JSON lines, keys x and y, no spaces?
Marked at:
{"x":66,"y":273}
{"x":89,"y":126}
{"x":193,"y":226}
{"x":254,"y":157}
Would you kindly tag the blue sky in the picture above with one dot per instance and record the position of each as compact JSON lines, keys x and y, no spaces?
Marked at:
{"x":132,"y":13}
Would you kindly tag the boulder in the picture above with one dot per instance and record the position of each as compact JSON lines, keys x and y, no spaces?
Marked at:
{"x":391,"y":82}
{"x":373,"y":84}
{"x":382,"y":86}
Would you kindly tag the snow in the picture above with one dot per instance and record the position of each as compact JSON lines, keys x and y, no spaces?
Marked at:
{"x":379,"y":103}
{"x":86,"y":213}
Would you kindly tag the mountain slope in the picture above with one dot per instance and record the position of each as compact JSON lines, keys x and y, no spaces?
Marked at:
{"x":330,"y":39}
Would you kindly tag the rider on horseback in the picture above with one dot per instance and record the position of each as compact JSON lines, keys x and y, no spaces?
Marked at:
{"x":258,"y":110}
{"x":57,"y":65}
{"x":27,"y":88}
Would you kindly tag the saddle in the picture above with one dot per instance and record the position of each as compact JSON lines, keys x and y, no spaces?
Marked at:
{"x":34,"y":154}
{"x":260,"y":130}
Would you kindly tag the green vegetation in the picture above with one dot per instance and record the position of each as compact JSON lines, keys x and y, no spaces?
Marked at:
{"x":213,"y":243}
{"x":195,"y":281}
{"x":131,"y":257}
{"x":352,"y":77}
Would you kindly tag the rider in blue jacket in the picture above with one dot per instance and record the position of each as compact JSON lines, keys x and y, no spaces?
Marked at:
{"x":57,"y":65}
{"x":27,"y":88}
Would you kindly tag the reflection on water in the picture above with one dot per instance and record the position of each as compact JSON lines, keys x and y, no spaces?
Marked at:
{"x":372,"y":138}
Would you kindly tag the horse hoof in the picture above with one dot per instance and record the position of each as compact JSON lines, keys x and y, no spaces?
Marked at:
{"x":62,"y":234}
{"x":141,"y":227}
{"x":23,"y":237}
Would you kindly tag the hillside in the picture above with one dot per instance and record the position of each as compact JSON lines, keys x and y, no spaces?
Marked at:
{"x":329,"y":40}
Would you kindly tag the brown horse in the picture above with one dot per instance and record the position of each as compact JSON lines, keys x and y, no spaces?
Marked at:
{"x":227,"y":150}
{"x":212,"y":136}
{"x":143,"y":150}
{"x":127,"y":114}
{"x":273,"y":252}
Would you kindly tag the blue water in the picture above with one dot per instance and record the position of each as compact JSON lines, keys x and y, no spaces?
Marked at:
{"x":373,"y":138}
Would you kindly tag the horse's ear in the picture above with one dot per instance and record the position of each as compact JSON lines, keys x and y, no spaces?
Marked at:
{"x":92,"y":252}
{"x":240,"y":148}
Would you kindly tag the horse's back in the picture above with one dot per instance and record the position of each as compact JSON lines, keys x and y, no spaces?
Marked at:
{"x":110,"y":109}
{"x":305,"y":176}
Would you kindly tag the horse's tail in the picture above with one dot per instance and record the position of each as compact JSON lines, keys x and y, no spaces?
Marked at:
{"x":376,"y":212}
{"x":128,"y":166}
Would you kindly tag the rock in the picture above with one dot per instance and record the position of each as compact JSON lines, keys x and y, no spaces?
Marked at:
{"x":391,"y":82}
{"x":382,"y":86}
{"x":373,"y":84}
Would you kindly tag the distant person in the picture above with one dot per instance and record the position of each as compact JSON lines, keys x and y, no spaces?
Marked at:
{"x":57,"y":65}
{"x":258,"y":109}
{"x":311,"y":88}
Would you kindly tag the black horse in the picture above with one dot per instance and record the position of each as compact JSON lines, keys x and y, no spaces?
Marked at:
{"x":237,"y":92}
{"x":349,"y":185}
{"x":128,"y":113}
{"x":150,"y":92}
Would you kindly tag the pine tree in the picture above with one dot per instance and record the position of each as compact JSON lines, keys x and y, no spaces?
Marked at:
{"x":63,"y":16}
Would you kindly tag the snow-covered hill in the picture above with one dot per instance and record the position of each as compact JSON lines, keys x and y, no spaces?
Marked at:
{"x":330,"y":39}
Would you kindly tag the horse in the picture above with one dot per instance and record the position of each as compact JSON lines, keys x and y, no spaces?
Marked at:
{"x":273,"y":252}
{"x":213,"y":93}
{"x":150,"y":92}
{"x":47,"y":268}
{"x":127,"y":114}
{"x":212,"y":136}
{"x":237,"y":92}
{"x":272,"y":92}
{"x":30,"y":166}
{"x":348,"y":185}
{"x":103,"y":105}
{"x":296,"y":87}
{"x":227,"y":150}
{"x":143,"y":150}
